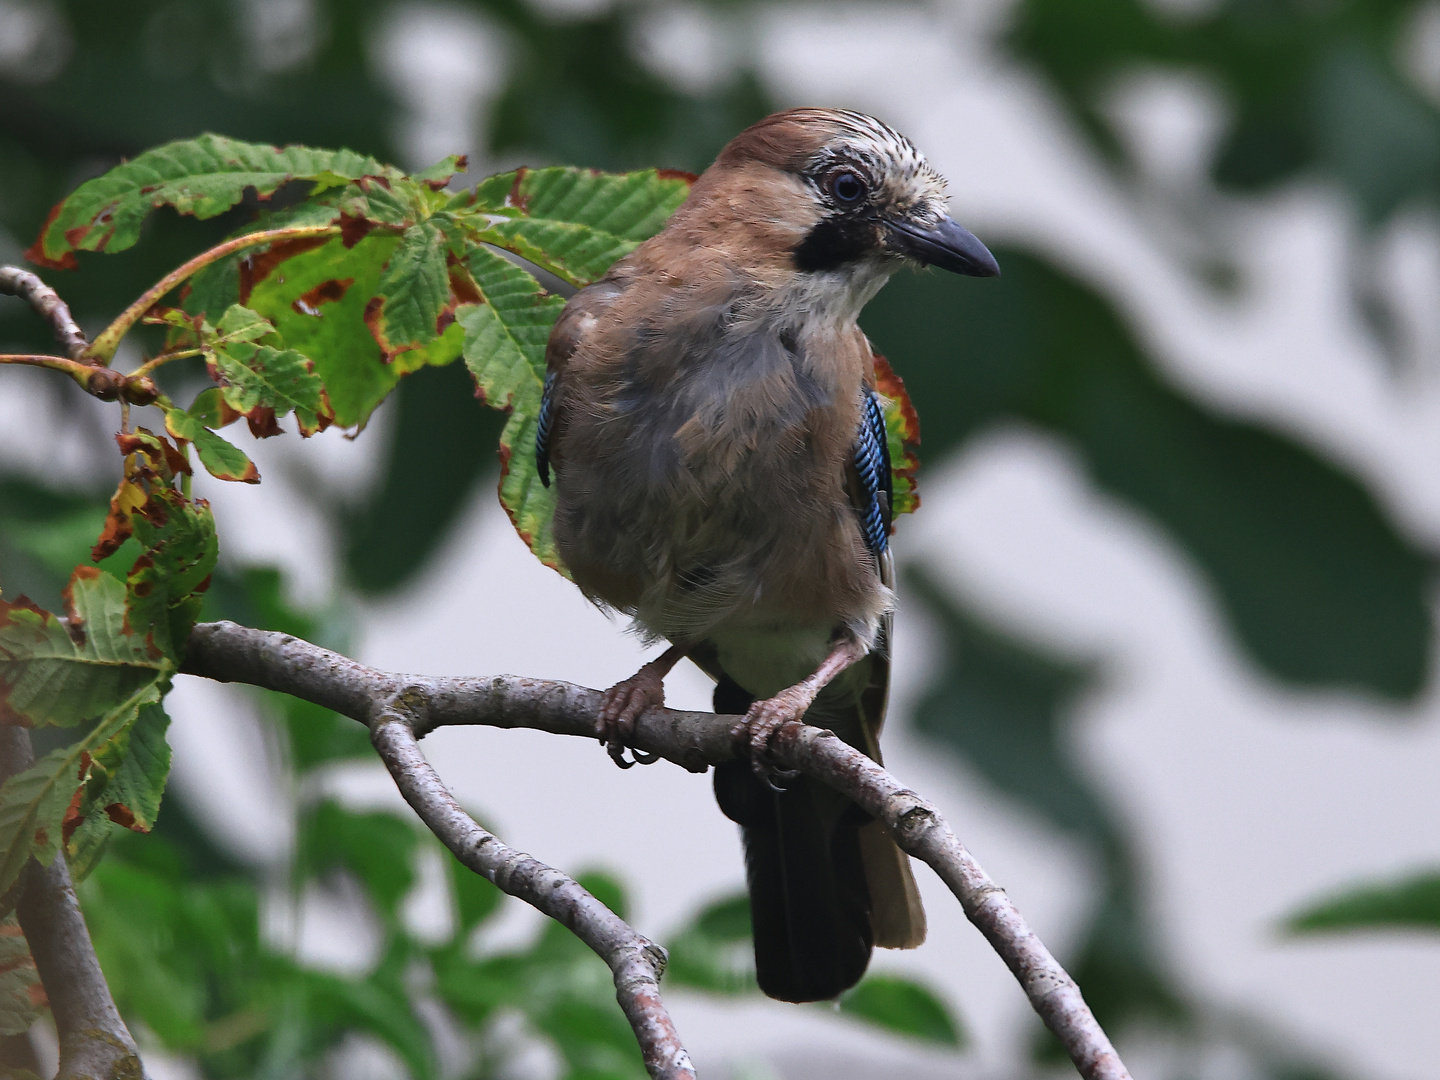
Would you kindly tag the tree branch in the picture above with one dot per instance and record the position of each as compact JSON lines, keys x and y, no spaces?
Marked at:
{"x":395,"y":708}
{"x":94,"y":1041}
{"x":46,"y":301}
{"x":635,"y":962}
{"x":400,"y":708}
{"x":92,"y":376}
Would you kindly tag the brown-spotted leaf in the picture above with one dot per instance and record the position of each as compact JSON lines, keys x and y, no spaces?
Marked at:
{"x":413,"y":290}
{"x":51,"y":673}
{"x":255,"y":377}
{"x":222,"y":459}
{"x":22,"y":998}
{"x":204,"y":176}
{"x":33,"y":803}
{"x":505,"y":336}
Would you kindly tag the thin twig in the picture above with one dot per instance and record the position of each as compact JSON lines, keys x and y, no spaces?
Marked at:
{"x":102,"y":382}
{"x":921,"y":832}
{"x":230,"y":653}
{"x":94,"y":1041}
{"x":28,"y":287}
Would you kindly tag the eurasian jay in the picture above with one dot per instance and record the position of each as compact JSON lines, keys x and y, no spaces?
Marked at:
{"x":722,"y":475}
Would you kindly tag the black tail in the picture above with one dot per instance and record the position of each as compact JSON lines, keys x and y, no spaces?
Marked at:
{"x":809,"y":905}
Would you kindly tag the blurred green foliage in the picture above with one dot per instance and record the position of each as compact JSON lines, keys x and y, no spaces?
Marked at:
{"x":1411,"y":903}
{"x":1317,"y":87}
{"x":1319,"y":585}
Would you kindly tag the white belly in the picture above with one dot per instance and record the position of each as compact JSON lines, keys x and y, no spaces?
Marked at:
{"x":765,"y":662}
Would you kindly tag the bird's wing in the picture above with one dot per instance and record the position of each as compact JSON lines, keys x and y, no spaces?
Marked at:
{"x":872,"y":486}
{"x":897,"y":916}
{"x":581,"y":315}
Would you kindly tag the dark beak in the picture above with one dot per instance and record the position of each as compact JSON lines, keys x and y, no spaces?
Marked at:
{"x":946,"y":245}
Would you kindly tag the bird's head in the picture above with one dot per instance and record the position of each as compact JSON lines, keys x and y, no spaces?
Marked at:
{"x":846,"y":195}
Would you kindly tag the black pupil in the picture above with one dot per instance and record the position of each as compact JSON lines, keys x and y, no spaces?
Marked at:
{"x":847,"y":187}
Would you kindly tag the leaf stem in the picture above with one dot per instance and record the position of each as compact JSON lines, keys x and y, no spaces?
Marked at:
{"x":164,"y":358}
{"x":104,"y":345}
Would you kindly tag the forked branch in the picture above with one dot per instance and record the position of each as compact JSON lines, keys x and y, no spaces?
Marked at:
{"x":400,"y":708}
{"x":394,"y":708}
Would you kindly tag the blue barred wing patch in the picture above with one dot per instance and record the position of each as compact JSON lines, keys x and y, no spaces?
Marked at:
{"x":543,"y":424}
{"x":872,"y":462}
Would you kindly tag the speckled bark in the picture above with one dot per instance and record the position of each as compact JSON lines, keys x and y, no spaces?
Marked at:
{"x":47,"y":303}
{"x":399,"y":708}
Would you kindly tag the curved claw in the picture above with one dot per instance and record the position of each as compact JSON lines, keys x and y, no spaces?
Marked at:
{"x":761,"y":722}
{"x":621,"y":706}
{"x":616,"y":750}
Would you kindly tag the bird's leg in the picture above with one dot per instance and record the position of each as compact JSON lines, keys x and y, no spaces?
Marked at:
{"x":764,"y":718}
{"x":627,"y":701}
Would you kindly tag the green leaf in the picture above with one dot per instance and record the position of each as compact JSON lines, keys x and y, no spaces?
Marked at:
{"x":395,"y":202}
{"x":166,"y":581}
{"x":204,"y":177}
{"x":209,"y":408}
{"x":184,"y":955}
{"x":262,"y":377}
{"x":413,"y":290}
{"x":575,"y":222}
{"x":317,"y":299}
{"x":239,"y":323}
{"x":20,"y":989}
{"x":439,"y":174}
{"x":318,"y":736}
{"x":135,"y":765}
{"x":214,"y":288}
{"x":377,"y":847}
{"x":88,"y":844}
{"x":222,"y":459}
{"x":714,"y":951}
{"x":505,"y":338}
{"x":902,"y":433}
{"x":33,"y":803}
{"x":903,"y":1007}
{"x":378,"y":1006}
{"x":475,"y":898}
{"x":51,"y":675}
{"x":1411,"y":902}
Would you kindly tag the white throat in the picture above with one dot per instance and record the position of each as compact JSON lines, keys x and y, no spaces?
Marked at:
{"x":832,"y":299}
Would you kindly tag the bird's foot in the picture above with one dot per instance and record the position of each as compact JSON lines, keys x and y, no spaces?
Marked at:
{"x":622,"y":705}
{"x":762,"y":721}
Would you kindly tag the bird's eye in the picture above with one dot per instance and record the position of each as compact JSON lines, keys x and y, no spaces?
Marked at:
{"x":847,"y":187}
